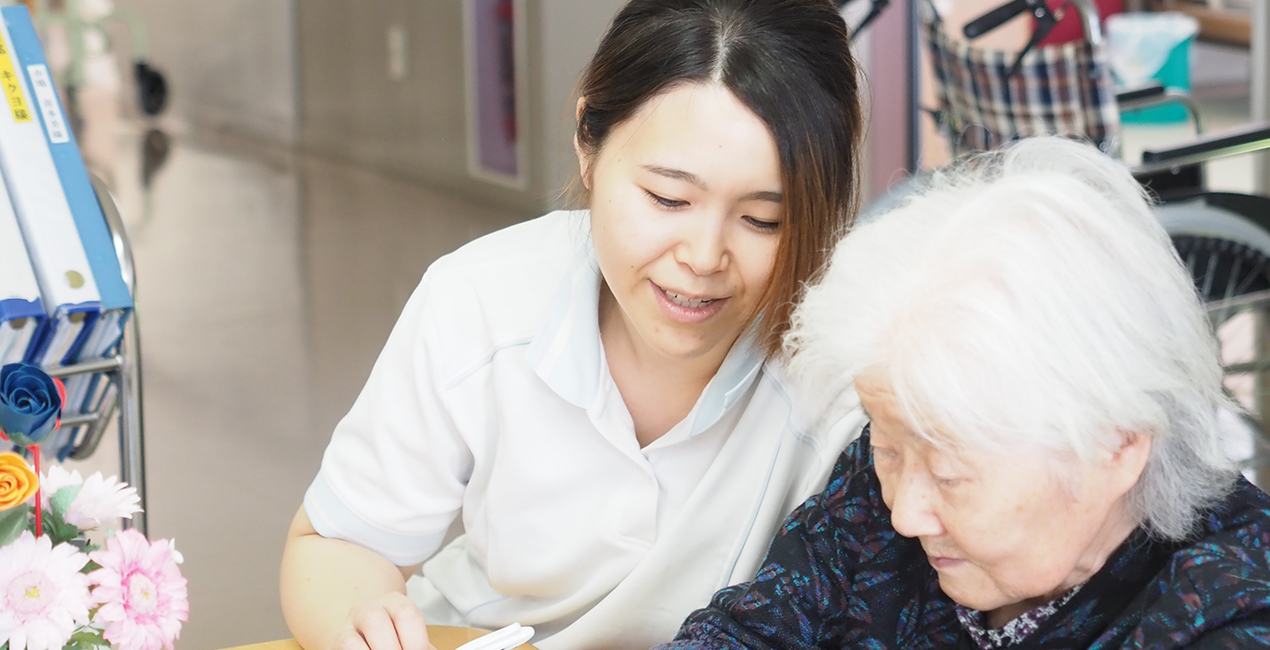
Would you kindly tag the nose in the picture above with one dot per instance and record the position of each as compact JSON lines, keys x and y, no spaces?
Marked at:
{"x":703,"y":246}
{"x":911,"y":512}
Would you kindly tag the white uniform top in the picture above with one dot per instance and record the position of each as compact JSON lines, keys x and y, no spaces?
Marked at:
{"x":492,"y":398}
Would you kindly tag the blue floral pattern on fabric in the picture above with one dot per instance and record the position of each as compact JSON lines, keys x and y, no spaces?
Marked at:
{"x":839,"y":576}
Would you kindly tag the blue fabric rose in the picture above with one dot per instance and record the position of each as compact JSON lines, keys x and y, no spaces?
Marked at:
{"x":30,"y":404}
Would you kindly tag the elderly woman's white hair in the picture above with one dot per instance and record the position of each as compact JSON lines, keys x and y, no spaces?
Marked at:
{"x":1028,"y":298}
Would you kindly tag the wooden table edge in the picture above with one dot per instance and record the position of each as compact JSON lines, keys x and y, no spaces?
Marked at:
{"x":444,"y":637}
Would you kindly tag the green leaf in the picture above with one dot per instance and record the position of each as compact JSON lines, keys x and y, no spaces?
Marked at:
{"x":57,"y":529}
{"x":12,"y":522}
{"x":61,"y":500}
{"x":85,"y":639}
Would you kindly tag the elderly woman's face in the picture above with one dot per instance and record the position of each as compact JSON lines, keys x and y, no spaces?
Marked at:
{"x":1000,"y":529}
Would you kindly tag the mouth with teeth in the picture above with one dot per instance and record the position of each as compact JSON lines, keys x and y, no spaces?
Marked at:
{"x":685,"y":308}
{"x":685,"y":301}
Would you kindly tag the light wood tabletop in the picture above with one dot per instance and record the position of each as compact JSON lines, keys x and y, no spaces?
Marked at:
{"x":444,"y":637}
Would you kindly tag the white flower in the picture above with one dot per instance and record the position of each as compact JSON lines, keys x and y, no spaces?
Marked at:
{"x":99,"y":500}
{"x":58,"y":478}
{"x":176,"y":555}
{"x":43,"y":595}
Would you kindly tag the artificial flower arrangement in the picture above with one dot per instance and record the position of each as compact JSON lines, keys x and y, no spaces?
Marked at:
{"x":66,"y":581}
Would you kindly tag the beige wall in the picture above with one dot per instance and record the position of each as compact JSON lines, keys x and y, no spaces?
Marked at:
{"x":315,"y":72}
{"x":231,"y":63}
{"x":415,"y":127}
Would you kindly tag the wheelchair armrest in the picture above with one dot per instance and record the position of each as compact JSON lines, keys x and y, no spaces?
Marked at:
{"x":1144,"y":92}
{"x":1153,"y":94}
{"x":1220,"y":145}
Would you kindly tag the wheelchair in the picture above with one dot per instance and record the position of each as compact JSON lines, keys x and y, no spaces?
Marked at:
{"x":989,"y":97}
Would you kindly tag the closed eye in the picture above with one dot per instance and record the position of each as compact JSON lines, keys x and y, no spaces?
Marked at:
{"x":765,"y":226}
{"x":885,"y":455}
{"x":665,"y":202}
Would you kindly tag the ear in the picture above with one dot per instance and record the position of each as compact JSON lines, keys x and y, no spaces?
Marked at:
{"x":1129,"y":461}
{"x":584,"y":160}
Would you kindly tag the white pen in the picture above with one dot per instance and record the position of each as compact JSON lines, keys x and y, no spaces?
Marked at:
{"x":504,"y":639}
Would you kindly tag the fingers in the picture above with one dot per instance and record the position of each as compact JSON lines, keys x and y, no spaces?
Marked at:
{"x":375,"y":626}
{"x":412,"y":631}
{"x":392,"y":622}
{"x":349,"y":639}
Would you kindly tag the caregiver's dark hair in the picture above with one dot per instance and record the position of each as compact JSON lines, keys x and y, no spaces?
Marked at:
{"x":788,"y":62}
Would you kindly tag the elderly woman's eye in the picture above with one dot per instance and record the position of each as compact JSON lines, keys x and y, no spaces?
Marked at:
{"x":665,"y":202}
{"x":885,"y":455}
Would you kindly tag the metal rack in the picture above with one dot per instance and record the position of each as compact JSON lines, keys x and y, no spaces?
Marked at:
{"x":123,"y":371}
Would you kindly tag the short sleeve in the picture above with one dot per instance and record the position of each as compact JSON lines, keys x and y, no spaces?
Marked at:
{"x":394,"y":473}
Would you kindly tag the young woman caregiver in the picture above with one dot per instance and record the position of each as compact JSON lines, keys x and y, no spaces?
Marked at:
{"x":598,"y":394}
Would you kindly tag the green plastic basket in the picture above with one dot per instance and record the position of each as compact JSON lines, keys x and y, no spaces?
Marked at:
{"x":1175,"y":74}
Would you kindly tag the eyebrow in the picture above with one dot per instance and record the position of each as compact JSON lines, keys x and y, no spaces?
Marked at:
{"x":693,"y":179}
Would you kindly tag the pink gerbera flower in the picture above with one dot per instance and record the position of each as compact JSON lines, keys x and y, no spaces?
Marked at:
{"x":141,"y":591}
{"x":43,"y":595}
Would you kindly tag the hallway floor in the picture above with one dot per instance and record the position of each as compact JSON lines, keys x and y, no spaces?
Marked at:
{"x":267,"y":282}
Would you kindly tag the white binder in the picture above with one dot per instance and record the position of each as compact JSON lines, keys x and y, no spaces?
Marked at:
{"x":21,"y":311}
{"x":67,"y":286}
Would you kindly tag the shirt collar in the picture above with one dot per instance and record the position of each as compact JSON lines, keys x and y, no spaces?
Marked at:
{"x":732,"y":380}
{"x":566,"y":351}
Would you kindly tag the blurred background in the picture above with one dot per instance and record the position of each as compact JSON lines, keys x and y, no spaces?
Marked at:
{"x":313,"y":158}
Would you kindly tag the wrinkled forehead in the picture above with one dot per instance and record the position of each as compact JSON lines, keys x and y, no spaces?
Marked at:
{"x":894,"y":422}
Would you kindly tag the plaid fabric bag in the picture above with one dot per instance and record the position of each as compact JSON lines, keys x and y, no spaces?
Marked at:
{"x":1058,"y":90}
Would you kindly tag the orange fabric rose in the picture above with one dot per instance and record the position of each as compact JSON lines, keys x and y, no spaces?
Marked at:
{"x":17,"y":481}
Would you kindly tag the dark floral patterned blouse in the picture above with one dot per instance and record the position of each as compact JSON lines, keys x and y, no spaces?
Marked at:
{"x":839,"y":576}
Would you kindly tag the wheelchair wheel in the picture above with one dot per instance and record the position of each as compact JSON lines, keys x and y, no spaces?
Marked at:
{"x":1224,"y":241}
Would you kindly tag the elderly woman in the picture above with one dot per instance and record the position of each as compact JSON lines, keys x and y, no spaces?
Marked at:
{"x":1042,"y":468}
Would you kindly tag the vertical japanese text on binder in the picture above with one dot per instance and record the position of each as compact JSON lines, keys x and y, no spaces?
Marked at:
{"x":12,"y":86}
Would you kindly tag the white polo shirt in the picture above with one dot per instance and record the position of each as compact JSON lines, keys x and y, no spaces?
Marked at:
{"x":492,"y":399}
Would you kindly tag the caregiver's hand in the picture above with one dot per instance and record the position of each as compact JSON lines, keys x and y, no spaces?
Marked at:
{"x":340,"y":596}
{"x":390,"y":622}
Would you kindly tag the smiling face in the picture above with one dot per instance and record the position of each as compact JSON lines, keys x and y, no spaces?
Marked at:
{"x":1002,"y":530}
{"x":686,"y":218}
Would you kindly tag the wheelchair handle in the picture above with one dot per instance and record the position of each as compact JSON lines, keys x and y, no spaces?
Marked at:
{"x":997,"y":17}
{"x":1231,"y":143}
{"x":1144,"y":92}
{"x":876,"y":7}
